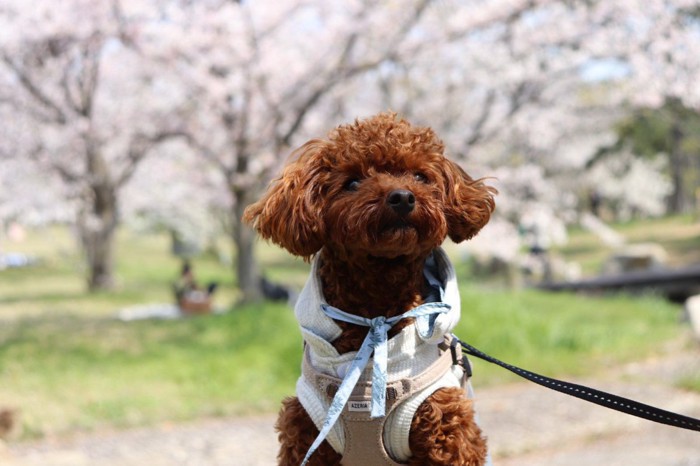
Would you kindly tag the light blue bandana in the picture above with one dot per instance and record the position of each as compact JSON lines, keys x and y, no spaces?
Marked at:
{"x":375,"y":341}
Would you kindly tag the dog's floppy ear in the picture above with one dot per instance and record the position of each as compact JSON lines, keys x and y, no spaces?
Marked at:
{"x":468,"y":203}
{"x":289,"y":213}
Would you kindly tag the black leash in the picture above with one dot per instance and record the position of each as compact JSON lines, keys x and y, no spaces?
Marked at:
{"x":591,"y":395}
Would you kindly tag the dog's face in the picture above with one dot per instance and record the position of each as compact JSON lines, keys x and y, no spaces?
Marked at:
{"x":379,"y":187}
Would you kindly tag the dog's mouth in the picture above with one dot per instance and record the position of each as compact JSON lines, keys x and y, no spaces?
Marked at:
{"x":394,"y":236}
{"x":398,"y":233}
{"x":399,"y":225}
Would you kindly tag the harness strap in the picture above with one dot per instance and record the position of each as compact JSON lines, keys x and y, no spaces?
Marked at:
{"x":592,"y":395}
{"x":363,"y":433}
{"x":328,"y":385}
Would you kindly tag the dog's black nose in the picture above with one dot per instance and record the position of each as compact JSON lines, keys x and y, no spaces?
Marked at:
{"x":402,"y":201}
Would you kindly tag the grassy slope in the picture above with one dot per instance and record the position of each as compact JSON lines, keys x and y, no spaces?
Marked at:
{"x":76,"y":373}
{"x":680,"y":237}
{"x":562,"y":334}
{"x":144,"y":270}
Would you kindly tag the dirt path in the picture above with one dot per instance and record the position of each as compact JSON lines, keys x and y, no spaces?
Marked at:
{"x":527,"y":426}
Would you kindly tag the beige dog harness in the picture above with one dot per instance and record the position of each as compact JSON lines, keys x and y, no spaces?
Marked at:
{"x":365,"y":437}
{"x":418,"y":364}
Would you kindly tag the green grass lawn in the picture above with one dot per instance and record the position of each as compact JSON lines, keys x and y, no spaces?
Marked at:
{"x":75,"y":373}
{"x":563,"y":334}
{"x":69,"y":365}
{"x":678,"y":235}
{"x":144,"y":271}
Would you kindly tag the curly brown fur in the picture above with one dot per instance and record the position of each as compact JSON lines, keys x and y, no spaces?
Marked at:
{"x":443,"y":431}
{"x":296,"y":433}
{"x":338,"y":197}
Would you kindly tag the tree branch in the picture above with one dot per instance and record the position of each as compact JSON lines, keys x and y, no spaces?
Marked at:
{"x":140,"y":146}
{"x":341,"y":71}
{"x":91,"y":73}
{"x":34,"y":90}
{"x":478,"y":127}
{"x":68,"y":176}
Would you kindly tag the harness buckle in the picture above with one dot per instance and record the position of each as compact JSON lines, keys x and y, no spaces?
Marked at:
{"x":459,"y":359}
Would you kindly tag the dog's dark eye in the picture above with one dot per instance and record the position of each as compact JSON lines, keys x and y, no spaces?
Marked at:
{"x":352,"y":185}
{"x":420,"y":177}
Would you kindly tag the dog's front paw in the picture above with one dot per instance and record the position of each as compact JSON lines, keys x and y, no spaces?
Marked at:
{"x":444,"y":432}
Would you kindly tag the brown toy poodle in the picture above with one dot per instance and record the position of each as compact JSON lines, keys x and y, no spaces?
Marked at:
{"x":372,"y":203}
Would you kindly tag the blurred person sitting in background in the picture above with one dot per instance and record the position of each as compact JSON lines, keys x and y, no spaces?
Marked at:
{"x":190,"y":297}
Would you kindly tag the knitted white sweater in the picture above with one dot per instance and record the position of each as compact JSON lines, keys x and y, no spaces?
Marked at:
{"x":408,"y":355}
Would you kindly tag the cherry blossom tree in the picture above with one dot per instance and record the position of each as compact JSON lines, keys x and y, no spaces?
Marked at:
{"x":510,"y":85}
{"x":257,"y":74}
{"x":530,"y":90}
{"x":173,"y":191}
{"x":96,"y":107}
{"x":524,"y":90}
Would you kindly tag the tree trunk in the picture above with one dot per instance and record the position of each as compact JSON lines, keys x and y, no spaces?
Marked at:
{"x":97,"y":226}
{"x":246,"y":266}
{"x":97,"y":223}
{"x":678,"y":201}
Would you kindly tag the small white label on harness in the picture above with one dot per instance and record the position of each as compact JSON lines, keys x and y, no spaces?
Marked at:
{"x":359,"y":406}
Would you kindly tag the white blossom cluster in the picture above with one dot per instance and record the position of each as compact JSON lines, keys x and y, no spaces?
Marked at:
{"x":193,"y":107}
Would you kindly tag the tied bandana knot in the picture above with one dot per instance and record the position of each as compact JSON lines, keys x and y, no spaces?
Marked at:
{"x":375,"y":342}
{"x":378,"y":336}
